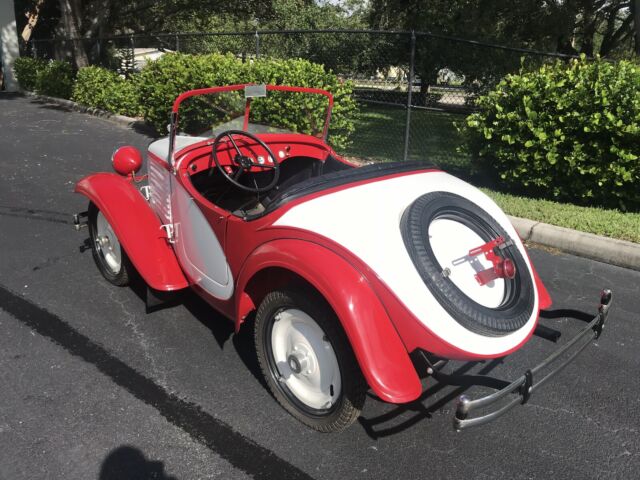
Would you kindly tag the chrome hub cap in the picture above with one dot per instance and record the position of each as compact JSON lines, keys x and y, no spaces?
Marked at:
{"x":107,"y":244}
{"x":305,"y":360}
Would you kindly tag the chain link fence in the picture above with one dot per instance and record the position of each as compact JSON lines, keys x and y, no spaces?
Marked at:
{"x":413,"y":88}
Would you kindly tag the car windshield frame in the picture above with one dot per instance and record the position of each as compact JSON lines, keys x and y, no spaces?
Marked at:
{"x":251,"y":91}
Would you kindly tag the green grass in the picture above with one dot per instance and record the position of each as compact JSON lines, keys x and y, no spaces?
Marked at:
{"x":379,"y":137}
{"x":610,"y":223}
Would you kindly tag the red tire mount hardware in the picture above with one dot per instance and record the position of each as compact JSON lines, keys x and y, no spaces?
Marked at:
{"x":502,"y":267}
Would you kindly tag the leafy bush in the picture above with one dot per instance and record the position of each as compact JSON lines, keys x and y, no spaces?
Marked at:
{"x":161,"y":81}
{"x":55,"y":79}
{"x":304,"y":113}
{"x":26,"y":70}
{"x":101,"y":88}
{"x":566,"y":132}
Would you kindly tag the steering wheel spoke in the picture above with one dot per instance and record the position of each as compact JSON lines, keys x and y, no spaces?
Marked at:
{"x":235,"y":145}
{"x":245,"y":163}
{"x":268,"y":166}
{"x":237,"y":173}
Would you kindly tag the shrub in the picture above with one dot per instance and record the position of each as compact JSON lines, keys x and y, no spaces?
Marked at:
{"x":101,"y":88}
{"x":566,"y":132}
{"x":55,"y":79}
{"x":304,"y":112}
{"x":26,"y":70}
{"x":161,"y":81}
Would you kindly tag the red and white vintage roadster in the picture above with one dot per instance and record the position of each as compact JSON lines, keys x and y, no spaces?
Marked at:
{"x":355,"y":277}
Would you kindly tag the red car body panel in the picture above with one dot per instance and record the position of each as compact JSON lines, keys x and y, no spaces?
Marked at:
{"x":392,"y":375}
{"x":544,"y":299}
{"x":137,"y":228}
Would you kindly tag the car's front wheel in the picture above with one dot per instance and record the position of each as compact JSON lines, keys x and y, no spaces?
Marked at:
{"x":110,"y":257}
{"x":307,"y":361}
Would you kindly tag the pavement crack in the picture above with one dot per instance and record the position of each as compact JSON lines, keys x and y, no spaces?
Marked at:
{"x":129,"y":319}
{"x":530,"y":234}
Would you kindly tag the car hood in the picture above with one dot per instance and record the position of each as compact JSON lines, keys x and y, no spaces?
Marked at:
{"x":365,"y":219}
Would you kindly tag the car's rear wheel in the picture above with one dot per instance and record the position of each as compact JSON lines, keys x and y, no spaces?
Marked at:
{"x":110,"y":257}
{"x":307,"y":361}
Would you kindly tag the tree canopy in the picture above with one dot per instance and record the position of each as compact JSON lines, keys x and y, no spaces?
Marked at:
{"x":593,"y":27}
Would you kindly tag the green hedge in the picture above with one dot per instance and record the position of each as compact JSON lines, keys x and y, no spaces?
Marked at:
{"x":151,"y":92}
{"x":55,"y":79}
{"x":568,"y":132}
{"x":101,"y":88}
{"x":161,"y":81}
{"x":26,"y":70}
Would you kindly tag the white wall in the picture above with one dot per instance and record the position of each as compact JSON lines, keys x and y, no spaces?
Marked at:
{"x":8,"y":43}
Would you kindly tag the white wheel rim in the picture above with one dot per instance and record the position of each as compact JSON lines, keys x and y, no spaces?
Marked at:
{"x":305,"y":360}
{"x":107,"y":244}
{"x":450,"y":242}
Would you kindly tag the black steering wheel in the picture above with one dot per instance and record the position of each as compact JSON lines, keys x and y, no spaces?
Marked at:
{"x":243,"y":164}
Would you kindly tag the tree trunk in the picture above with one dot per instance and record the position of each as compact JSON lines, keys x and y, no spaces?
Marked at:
{"x":70,"y":29}
{"x":9,"y":49}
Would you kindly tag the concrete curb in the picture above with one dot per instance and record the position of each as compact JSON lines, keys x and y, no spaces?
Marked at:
{"x":121,"y":120}
{"x":604,"y":249}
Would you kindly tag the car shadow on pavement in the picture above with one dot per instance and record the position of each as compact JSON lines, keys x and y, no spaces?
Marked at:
{"x":423,"y":410}
{"x":128,"y":463}
{"x":223,"y":329}
{"x":220,"y":327}
{"x":567,"y":312}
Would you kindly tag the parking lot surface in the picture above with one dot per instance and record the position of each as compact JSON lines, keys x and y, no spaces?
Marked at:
{"x":94,"y":387}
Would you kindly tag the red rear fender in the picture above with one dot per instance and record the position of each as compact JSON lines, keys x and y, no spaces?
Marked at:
{"x":381,"y":354}
{"x":137,"y":227}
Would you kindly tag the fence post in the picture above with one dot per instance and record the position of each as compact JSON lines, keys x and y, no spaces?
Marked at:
{"x":407,"y":130}
{"x":132,"y":41}
{"x":177,"y":43}
{"x":257,"y":45}
{"x":34,"y":48}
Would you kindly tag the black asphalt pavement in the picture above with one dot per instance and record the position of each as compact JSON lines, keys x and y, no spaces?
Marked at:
{"x":92,"y":387}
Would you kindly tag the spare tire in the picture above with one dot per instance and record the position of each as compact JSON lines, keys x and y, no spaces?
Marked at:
{"x":439,"y":229}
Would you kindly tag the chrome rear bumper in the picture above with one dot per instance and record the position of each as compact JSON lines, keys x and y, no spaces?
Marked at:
{"x":526,"y":384}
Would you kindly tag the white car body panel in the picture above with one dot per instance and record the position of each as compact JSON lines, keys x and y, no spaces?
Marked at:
{"x":365,"y":219}
{"x":160,"y":148}
{"x":195,"y":243}
{"x":197,"y":246}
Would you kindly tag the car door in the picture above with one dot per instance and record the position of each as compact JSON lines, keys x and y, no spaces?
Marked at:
{"x":198,"y":246}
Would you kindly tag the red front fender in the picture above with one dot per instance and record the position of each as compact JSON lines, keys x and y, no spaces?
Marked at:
{"x":137,"y":227}
{"x":381,"y":354}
